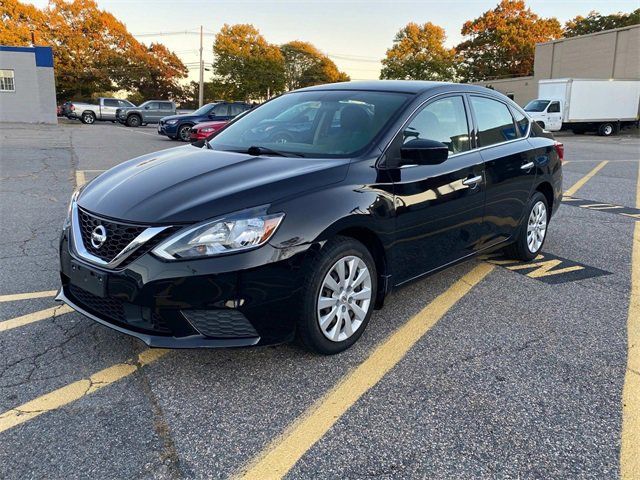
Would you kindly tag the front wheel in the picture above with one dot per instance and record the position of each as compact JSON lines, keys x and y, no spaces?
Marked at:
{"x":184,"y":133}
{"x":338,"y":297}
{"x":533,"y":232}
{"x":133,"y":121}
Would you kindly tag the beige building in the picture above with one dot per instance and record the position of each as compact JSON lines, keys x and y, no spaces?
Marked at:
{"x":608,"y":54}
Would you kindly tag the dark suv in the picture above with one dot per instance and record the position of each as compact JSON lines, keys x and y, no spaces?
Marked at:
{"x":178,"y":127}
{"x":235,"y":241}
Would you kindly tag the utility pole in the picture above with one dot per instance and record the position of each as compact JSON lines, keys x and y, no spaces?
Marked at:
{"x":201,"y":91}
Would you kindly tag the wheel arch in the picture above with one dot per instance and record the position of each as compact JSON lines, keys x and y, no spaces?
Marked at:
{"x":546,"y":189}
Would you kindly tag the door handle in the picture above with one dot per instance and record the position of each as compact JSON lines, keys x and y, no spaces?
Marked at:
{"x":527,"y":166}
{"x":473,"y":181}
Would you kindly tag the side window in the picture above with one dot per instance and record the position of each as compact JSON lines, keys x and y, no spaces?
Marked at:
{"x":235,"y":109}
{"x":554,"y":107}
{"x":220,"y":110}
{"x":166,"y":106}
{"x":495,"y":123}
{"x":109,"y":102}
{"x":522,"y":122}
{"x":445,"y":121}
{"x":7,"y":81}
{"x":152,"y":106}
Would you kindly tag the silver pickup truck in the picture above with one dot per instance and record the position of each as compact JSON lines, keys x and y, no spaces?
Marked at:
{"x":105,"y":110}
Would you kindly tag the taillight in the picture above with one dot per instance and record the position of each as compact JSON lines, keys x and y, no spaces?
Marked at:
{"x":559,"y":150}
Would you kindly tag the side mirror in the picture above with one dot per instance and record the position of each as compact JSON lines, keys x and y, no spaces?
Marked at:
{"x":146,"y":107}
{"x":420,"y":151}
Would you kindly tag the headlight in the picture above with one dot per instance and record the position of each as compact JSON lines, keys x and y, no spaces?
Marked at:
{"x":171,"y":122}
{"x":235,"y":233}
{"x":206,"y":130}
{"x":74,"y":197}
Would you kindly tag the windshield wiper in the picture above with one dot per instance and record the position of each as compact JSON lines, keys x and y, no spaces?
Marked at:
{"x":256,"y":151}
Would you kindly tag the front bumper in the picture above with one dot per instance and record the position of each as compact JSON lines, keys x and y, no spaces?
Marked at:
{"x":232,"y":301}
{"x":168,"y":130}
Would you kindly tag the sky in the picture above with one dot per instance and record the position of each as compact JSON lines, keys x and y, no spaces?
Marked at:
{"x":355,"y":34}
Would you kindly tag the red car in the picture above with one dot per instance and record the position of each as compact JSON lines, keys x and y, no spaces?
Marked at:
{"x":200,"y":131}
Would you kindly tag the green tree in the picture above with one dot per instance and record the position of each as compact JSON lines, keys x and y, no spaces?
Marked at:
{"x":418,"y":53}
{"x":245,"y":62}
{"x":594,"y":22}
{"x":305,"y":65}
{"x":501,"y":42}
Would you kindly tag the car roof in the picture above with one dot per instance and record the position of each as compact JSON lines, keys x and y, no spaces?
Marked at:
{"x":402,"y":86}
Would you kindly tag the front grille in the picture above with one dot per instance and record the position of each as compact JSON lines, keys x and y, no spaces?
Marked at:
{"x":119,"y":235}
{"x":118,"y":311}
{"x":227,"y":323}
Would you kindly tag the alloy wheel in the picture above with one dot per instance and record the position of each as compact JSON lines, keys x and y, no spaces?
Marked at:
{"x":536,"y":227}
{"x":344,"y":299}
{"x":185,"y":133}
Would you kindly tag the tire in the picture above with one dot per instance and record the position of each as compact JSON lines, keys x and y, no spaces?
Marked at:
{"x":339,"y":332}
{"x":88,"y":118}
{"x":606,"y":129}
{"x":184,"y":133}
{"x":133,"y":121}
{"x":523,"y":248}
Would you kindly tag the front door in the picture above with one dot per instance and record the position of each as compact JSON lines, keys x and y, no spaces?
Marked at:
{"x":554,"y":116}
{"x":509,"y":166}
{"x":439,"y":208}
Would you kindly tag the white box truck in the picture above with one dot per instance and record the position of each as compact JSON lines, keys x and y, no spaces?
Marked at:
{"x":602,"y":106}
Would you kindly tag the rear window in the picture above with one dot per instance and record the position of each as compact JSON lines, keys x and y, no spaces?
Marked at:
{"x":495,"y":123}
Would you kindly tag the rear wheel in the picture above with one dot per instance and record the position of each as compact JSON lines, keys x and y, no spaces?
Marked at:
{"x":606,"y":129}
{"x":184,"y":133}
{"x":133,"y":121}
{"x":338,"y":298}
{"x":533,"y":231}
{"x":88,"y":118}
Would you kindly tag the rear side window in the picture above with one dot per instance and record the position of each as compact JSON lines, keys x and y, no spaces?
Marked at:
{"x":166,"y":106}
{"x":108,"y":102}
{"x":522,"y":122}
{"x":445,"y":121}
{"x":495,"y":123}
{"x":235,"y":109}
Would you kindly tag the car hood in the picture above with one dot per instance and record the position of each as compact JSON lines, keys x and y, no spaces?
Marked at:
{"x":180,"y":117}
{"x":189,"y":184}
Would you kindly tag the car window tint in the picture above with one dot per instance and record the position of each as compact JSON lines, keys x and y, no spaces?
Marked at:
{"x":554,"y":107}
{"x":165,"y":106}
{"x":152,"y":105}
{"x":445,"y":121}
{"x":521,"y":121}
{"x":495,"y":123}
{"x":110,"y":103}
{"x":220,"y":110}
{"x":235,"y":109}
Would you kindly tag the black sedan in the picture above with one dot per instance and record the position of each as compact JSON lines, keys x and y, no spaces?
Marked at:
{"x":229,"y":242}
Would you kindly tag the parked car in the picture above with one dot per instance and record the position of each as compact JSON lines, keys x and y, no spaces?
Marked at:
{"x":233,"y":243}
{"x":104,"y":110}
{"x":200,"y":131}
{"x":150,"y":111}
{"x":602,"y":106}
{"x":178,"y":127}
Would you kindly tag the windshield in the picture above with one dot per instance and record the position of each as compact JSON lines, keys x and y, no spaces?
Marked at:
{"x":203,"y":110}
{"x":336,"y":123}
{"x":536,"y":106}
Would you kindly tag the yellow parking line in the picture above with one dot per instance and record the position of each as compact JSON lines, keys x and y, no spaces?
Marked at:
{"x":80,"y":178}
{"x":580,"y":183}
{"x":75,"y":391}
{"x":630,"y":447}
{"x":287,"y":449}
{"x":34,"y":317}
{"x":26,"y":296}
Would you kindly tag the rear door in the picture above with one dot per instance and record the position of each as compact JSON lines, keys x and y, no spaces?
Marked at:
{"x":509,"y":166}
{"x":439,"y":208}
{"x":166,"y":109}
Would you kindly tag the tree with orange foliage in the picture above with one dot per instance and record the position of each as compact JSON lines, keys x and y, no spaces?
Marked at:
{"x":501,"y":42}
{"x":17,"y":21}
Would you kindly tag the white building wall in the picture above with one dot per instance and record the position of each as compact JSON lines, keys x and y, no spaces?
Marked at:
{"x":34,"y":98}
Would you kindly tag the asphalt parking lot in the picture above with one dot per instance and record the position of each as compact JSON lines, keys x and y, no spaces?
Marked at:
{"x":489,"y":369}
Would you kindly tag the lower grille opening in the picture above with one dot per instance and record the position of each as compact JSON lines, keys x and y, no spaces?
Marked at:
{"x":114,"y":309}
{"x":224,"y":323}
